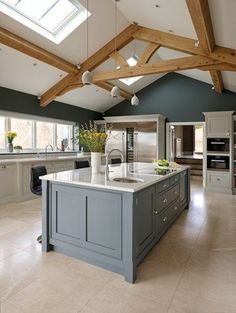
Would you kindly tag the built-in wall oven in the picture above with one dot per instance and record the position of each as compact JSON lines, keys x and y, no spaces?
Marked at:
{"x":216,"y":162}
{"x":218,"y":145}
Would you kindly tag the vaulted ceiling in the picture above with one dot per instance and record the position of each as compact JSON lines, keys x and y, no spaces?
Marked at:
{"x":24,"y":73}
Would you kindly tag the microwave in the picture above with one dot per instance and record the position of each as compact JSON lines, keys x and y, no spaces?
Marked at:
{"x":218,"y":145}
{"x":218,"y":163}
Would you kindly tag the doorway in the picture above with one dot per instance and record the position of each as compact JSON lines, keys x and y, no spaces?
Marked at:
{"x":185,"y":145}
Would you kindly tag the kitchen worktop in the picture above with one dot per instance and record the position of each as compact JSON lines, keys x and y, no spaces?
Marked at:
{"x":142,"y":171}
{"x":49,"y":158}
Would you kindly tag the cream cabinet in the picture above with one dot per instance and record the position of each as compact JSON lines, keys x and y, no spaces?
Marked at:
{"x":8,"y":182}
{"x":218,"y":124}
{"x":218,"y":180}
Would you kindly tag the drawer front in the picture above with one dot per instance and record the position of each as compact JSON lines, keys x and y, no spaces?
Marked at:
{"x":163,"y":201}
{"x":162,"y":220}
{"x":173,"y":210}
{"x":174,"y":180}
{"x":174,"y":193}
{"x":220,"y":180}
{"x":163,"y":185}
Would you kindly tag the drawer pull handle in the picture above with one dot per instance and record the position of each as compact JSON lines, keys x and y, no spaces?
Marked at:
{"x":164,"y":186}
{"x":218,"y":179}
{"x":165,"y":219}
{"x":165,"y":200}
{"x":176,"y":192}
{"x":155,"y":212}
{"x":175,"y":208}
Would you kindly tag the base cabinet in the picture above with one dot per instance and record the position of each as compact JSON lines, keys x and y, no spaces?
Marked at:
{"x":8,"y":183}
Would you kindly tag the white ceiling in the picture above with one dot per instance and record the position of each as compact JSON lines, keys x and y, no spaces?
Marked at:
{"x":18,"y":72}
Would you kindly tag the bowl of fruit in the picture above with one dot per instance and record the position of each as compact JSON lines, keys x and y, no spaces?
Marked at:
{"x":161,"y":166}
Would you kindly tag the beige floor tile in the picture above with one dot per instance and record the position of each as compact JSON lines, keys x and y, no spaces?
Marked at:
{"x":202,"y":294}
{"x":6,"y":307}
{"x":8,"y":225}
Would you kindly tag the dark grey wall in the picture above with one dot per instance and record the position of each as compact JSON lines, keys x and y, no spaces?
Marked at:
{"x":15,"y":101}
{"x":179,"y":98}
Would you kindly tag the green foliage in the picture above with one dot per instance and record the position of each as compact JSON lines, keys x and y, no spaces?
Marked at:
{"x":91,"y":137}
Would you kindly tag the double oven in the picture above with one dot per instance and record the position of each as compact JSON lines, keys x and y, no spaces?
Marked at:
{"x":219,"y":162}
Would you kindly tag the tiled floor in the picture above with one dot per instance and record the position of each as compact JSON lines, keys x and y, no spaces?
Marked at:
{"x":191,"y":270}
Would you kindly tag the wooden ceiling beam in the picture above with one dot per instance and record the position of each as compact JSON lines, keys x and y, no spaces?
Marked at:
{"x":217,"y":80}
{"x":91,"y":63}
{"x":184,"y":44}
{"x":118,"y":58}
{"x":201,"y":18}
{"x":108,"y":86}
{"x":164,"y":66}
{"x":220,"y":67}
{"x":148,"y":53}
{"x":9,"y":39}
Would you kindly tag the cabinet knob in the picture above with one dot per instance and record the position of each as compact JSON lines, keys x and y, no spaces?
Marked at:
{"x":165,"y":200}
{"x":175,"y":208}
{"x":155,"y":212}
{"x":218,"y":179}
{"x":165,"y":219}
{"x":4,"y":166}
{"x":176,"y":192}
{"x":164,"y":186}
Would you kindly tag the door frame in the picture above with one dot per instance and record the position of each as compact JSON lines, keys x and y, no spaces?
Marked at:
{"x":169,"y":124}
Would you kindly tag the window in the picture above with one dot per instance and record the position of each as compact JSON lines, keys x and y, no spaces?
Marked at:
{"x":64,"y":133}
{"x":44,"y":135}
{"x":54,"y":19}
{"x":198,"y":137}
{"x":23,"y":128}
{"x":36,"y":135}
{"x":129,"y":81}
{"x":2,"y":133}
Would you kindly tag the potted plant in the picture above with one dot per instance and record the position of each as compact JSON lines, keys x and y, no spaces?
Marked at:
{"x":94,"y":139}
{"x":10,"y":137}
{"x":18,"y":148}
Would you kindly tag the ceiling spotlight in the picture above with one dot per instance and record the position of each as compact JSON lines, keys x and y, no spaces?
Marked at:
{"x":78,"y":66}
{"x":170,"y":31}
{"x":38,"y":97}
{"x":135,"y":23}
{"x":135,"y":100}
{"x":196,"y":44}
{"x":35,"y":64}
{"x":87,"y":78}
{"x":157,"y":6}
{"x":213,"y":87}
{"x":115,"y":92}
{"x":61,"y":75}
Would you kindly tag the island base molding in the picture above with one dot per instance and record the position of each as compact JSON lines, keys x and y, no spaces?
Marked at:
{"x":109,"y":228}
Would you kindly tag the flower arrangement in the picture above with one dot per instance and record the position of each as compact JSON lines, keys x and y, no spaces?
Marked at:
{"x":91,"y":137}
{"x":10,"y":136}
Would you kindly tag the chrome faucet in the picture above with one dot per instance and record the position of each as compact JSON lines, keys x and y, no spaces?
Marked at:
{"x":107,"y":161}
{"x":46,"y":149}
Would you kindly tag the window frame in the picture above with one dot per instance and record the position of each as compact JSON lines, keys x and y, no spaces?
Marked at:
{"x":34,"y":119}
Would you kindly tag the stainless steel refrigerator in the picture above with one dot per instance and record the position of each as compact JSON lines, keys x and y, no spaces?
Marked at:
{"x":136,"y":140}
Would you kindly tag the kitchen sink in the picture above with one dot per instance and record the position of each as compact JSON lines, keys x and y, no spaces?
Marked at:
{"x":128,"y":180}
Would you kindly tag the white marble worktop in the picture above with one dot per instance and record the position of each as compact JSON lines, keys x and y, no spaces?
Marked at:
{"x":49,"y":158}
{"x":84,"y":177}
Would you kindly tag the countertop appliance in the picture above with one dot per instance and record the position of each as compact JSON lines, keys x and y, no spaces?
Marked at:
{"x":136,"y":140}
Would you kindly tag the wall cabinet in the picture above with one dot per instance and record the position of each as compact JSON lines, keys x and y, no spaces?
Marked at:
{"x":218,"y":124}
{"x":8,"y":182}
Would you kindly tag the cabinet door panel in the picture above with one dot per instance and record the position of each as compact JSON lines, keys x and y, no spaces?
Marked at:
{"x":103,"y":223}
{"x":183,"y":187}
{"x":67,"y":213}
{"x":145,"y":218}
{"x":8,"y":182}
{"x":218,"y":126}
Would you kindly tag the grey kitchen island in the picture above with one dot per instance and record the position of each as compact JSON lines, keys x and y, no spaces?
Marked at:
{"x":109,"y":223}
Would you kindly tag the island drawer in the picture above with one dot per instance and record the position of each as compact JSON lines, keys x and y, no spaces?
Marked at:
{"x":174,"y":180}
{"x":164,"y":199}
{"x":162,"y":186}
{"x":166,"y":216}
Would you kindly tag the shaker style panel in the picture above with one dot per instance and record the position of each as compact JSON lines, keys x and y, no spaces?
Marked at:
{"x":218,"y":126}
{"x":103,"y":223}
{"x":144,"y":211}
{"x":68,"y":205}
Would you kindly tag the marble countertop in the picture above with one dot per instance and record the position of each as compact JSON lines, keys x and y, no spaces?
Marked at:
{"x":142,"y":171}
{"x":49,"y":158}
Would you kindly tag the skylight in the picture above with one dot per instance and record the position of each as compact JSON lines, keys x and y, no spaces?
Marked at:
{"x":130,"y":80}
{"x":53,"y":19}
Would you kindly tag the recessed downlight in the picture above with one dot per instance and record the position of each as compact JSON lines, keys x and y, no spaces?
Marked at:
{"x":35,"y":64}
{"x":170,"y":31}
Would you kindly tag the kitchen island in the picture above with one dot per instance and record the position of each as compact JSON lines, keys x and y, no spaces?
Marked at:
{"x":109,"y":221}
